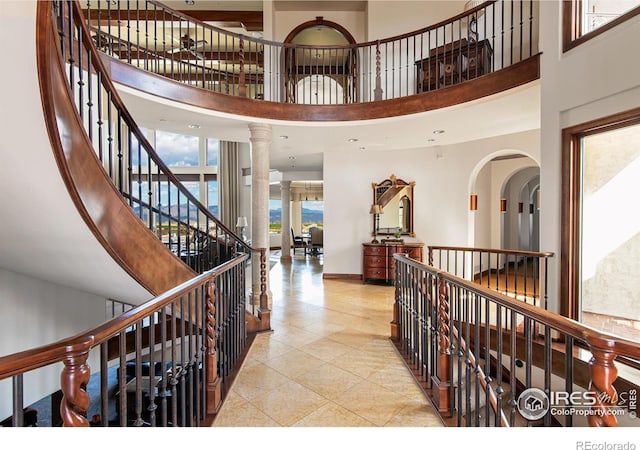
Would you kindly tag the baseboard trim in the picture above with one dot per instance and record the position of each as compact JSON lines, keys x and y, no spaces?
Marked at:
{"x":342,"y":276}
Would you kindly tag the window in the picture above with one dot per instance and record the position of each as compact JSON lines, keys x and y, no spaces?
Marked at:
{"x":213,"y":146}
{"x":312,"y":214}
{"x":275,"y":216}
{"x":212,"y":197}
{"x":601,"y":256}
{"x":584,"y":19}
{"x":178,"y":150}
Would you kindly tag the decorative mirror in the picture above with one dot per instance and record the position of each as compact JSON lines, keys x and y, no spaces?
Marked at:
{"x":395,"y":198}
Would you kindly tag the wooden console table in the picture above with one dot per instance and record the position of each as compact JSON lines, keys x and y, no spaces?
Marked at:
{"x":453,"y":63}
{"x":377,"y":259}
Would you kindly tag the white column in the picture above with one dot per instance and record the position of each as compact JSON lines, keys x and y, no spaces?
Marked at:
{"x":260,"y":145}
{"x":285,"y":190}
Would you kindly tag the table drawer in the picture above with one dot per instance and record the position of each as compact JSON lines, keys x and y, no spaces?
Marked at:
{"x":412,"y":252}
{"x":379,"y":251}
{"x":375,"y":261}
{"x":375,"y":273}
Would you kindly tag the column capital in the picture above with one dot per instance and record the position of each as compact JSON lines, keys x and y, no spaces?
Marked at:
{"x":260,"y":132}
{"x":285,"y":185}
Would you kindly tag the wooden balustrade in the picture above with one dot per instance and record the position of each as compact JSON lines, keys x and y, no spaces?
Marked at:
{"x":490,"y":348}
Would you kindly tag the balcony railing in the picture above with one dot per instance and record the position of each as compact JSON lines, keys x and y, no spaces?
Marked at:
{"x":488,"y":360}
{"x":487,"y":38}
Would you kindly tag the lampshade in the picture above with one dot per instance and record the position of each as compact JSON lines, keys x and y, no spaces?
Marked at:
{"x":375,"y":209}
{"x":242,"y":222}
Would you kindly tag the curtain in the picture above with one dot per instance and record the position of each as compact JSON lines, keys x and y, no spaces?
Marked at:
{"x":228,"y":182}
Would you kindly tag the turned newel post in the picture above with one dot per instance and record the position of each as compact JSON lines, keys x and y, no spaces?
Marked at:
{"x":264,"y":313}
{"x":242,"y":89}
{"x":73,"y":382}
{"x":603,"y":374}
{"x":377,"y":92}
{"x":442,"y":386}
{"x":214,"y":391}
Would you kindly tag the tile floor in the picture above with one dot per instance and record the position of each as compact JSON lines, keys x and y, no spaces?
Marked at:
{"x":328,"y":361}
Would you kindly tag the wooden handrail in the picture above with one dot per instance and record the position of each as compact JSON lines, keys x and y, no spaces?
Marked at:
{"x":605,"y":348}
{"x":491,"y":250}
{"x":275,"y":66}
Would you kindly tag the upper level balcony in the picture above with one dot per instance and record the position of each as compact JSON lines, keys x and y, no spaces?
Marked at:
{"x":489,"y":47}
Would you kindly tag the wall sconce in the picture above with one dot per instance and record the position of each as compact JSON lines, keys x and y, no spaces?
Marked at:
{"x":376,"y":210}
{"x":503,"y":205}
{"x":473,"y":202}
{"x":520,"y":207}
{"x":241,"y":224}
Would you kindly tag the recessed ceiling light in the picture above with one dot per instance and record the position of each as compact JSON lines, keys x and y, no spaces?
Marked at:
{"x":431,"y":140}
{"x":361,"y":148}
{"x":438,"y":131}
{"x":194,"y":126}
{"x":353,"y":140}
{"x":284,"y":137}
{"x":292,"y":157}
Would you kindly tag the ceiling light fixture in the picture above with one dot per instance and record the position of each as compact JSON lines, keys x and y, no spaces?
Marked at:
{"x":194,"y":126}
{"x":438,"y":131}
{"x":284,"y":137}
{"x":190,"y":2}
{"x":353,"y":140}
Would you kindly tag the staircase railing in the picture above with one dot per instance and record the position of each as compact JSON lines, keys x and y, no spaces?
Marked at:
{"x":489,"y":37}
{"x":151,"y":189}
{"x":165,"y":363}
{"x":517,"y":273}
{"x":172,"y":357}
{"x":482,"y":356}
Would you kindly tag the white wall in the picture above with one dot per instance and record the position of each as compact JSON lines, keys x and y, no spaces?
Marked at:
{"x":36,"y":313}
{"x":596,"y":79}
{"x":391,"y":18}
{"x":441,"y":193}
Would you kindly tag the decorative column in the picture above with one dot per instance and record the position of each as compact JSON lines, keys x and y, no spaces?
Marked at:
{"x":260,"y":147}
{"x":285,"y":190}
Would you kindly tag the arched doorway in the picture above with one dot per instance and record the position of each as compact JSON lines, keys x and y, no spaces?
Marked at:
{"x":320,"y":67}
{"x":506,"y":214}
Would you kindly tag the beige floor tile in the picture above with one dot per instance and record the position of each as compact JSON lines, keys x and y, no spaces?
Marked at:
{"x":289,"y":403}
{"x":415,"y":414}
{"x":333,"y":415}
{"x":373,"y":402}
{"x":328,"y":361}
{"x":295,"y":363}
{"x":325,"y":349}
{"x":255,"y":381}
{"x":328,"y":380}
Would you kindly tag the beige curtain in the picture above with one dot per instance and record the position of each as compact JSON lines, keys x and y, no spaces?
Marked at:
{"x":228,"y":182}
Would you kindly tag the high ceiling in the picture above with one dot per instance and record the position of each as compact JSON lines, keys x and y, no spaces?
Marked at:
{"x":299,"y":146}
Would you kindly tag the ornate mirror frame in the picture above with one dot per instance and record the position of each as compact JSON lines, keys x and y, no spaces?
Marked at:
{"x":395,"y":198}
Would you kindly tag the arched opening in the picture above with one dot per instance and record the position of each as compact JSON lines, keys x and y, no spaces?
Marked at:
{"x":505,"y":211}
{"x":320,"y":68}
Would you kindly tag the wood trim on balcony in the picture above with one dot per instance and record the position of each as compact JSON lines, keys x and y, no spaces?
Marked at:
{"x":493,"y":83}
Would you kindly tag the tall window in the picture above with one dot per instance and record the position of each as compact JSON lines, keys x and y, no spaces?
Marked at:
{"x":212,"y":197}
{"x":604,"y":250}
{"x":178,"y":150}
{"x":213,"y":147}
{"x":275,"y":216}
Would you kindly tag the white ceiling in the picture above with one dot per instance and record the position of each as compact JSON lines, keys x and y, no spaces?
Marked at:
{"x":509,"y":112}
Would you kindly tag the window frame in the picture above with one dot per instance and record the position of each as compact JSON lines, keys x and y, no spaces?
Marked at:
{"x":572,"y":21}
{"x":571,"y":204}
